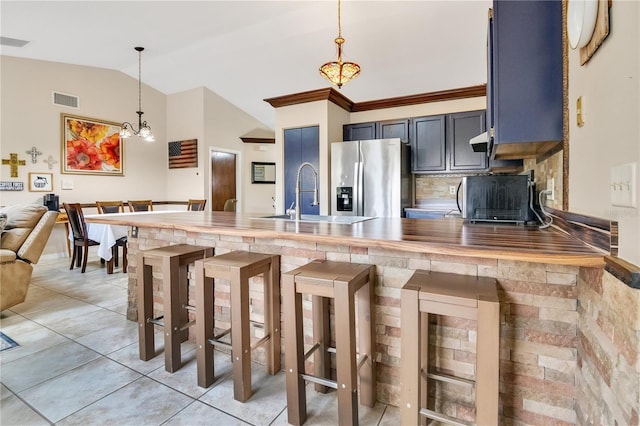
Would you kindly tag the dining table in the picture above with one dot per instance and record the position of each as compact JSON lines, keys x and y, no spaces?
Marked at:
{"x":106,"y":235}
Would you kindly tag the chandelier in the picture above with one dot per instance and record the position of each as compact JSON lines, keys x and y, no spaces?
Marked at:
{"x":339,"y":72}
{"x":144,"y":130}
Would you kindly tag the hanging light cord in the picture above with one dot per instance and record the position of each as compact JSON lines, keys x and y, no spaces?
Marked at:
{"x":139,"y":80}
{"x":339,"y":22}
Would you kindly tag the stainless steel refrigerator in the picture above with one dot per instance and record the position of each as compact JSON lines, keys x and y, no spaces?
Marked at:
{"x":370,"y":178}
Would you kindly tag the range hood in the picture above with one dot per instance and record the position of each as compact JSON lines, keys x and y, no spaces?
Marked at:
{"x":480,"y":143}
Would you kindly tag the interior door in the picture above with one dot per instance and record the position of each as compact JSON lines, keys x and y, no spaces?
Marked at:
{"x":223,"y":179}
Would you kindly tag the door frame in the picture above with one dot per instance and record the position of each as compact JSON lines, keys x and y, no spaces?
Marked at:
{"x":239,"y":173}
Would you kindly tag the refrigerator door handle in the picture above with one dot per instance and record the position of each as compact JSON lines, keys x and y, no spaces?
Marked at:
{"x":359,"y":195}
{"x":356,"y":186}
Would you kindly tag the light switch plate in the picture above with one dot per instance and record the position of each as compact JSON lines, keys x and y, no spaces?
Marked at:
{"x":623,"y":185}
{"x":67,"y":184}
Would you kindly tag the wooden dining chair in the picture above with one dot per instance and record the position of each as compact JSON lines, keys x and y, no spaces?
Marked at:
{"x":196,"y":205}
{"x":115,"y":207}
{"x":81,"y":243}
{"x":140,"y":205}
{"x":110,"y":207}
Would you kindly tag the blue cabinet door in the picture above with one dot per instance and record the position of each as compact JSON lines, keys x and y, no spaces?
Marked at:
{"x":461,"y":127}
{"x":428,"y":152}
{"x":360,"y":131}
{"x":301,"y":145}
{"x":525,"y":81}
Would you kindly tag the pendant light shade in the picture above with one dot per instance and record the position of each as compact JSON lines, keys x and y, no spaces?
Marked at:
{"x":339,"y":72}
{"x":144,"y":130}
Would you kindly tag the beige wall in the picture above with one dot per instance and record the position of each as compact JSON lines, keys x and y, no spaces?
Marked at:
{"x":29,"y":118}
{"x":610,"y":88}
{"x":224,"y":125}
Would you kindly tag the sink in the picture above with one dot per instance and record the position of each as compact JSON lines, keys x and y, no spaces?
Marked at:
{"x":320,"y":218}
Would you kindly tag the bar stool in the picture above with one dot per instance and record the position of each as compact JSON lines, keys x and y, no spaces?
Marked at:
{"x":341,"y":282}
{"x":173,"y":261}
{"x":463,"y":296}
{"x":237,"y":267}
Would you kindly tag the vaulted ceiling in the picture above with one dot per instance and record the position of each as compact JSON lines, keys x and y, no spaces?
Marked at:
{"x":246,"y":51}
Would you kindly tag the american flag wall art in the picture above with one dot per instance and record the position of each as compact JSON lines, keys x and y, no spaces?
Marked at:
{"x":183,"y":154}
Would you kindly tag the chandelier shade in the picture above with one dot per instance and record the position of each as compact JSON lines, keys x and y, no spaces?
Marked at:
{"x":144,"y":130}
{"x":339,"y":72}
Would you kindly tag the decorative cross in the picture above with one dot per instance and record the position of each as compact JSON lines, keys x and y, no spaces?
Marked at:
{"x":14,"y":163}
{"x":34,"y":154}
{"x":50,"y":161}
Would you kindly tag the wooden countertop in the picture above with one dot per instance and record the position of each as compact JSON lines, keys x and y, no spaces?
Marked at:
{"x":448,"y":236}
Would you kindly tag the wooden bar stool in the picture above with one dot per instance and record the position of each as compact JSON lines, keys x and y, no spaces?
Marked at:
{"x":237,"y":267}
{"x":173,"y":261}
{"x":341,"y":282}
{"x":462,"y":296}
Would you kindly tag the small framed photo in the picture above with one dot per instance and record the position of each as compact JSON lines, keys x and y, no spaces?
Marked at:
{"x":41,"y":182}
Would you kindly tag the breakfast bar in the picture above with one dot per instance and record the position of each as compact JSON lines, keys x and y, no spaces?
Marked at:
{"x":538,"y":273}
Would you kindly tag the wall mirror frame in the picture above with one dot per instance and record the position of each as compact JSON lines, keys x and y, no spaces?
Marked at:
{"x":263,"y":172}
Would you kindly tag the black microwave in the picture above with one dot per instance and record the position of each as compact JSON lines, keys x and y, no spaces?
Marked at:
{"x":498,"y":198}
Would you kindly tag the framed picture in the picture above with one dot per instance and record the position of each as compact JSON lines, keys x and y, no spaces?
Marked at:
{"x":91,"y":146}
{"x":263,"y":172}
{"x":40,"y":182}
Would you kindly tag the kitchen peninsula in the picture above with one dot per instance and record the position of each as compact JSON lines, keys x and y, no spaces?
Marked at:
{"x":541,"y":274}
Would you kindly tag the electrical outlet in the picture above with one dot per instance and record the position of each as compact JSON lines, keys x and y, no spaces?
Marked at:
{"x":623,"y":185}
{"x":551,"y":187}
{"x":452,"y":189}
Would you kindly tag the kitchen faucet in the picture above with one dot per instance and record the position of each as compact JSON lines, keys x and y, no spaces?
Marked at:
{"x":298,"y":210}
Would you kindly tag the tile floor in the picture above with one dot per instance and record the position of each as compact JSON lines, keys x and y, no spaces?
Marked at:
{"x":77,"y":364}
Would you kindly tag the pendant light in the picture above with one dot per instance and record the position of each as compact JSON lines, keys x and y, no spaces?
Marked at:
{"x":339,"y":72}
{"x":144,"y":130}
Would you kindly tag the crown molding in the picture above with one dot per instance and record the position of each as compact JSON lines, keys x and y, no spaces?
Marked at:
{"x":330,"y":94}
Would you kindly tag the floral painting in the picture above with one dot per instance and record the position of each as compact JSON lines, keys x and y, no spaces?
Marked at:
{"x":91,"y":146}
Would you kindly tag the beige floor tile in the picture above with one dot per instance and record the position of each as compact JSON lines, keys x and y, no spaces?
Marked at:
{"x":16,"y":413}
{"x":39,"y":298}
{"x":31,"y":337}
{"x":391,"y":416}
{"x":119,"y":335}
{"x":185,"y":379}
{"x":199,"y":414}
{"x":130,"y":356}
{"x":143,"y":402}
{"x":265,"y":404}
{"x":78,"y":326}
{"x":4,"y":392}
{"x":59,"y":397}
{"x":67,"y":309}
{"x":31,"y":370}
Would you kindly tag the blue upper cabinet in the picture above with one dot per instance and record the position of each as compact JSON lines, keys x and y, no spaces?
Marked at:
{"x":524,"y":84}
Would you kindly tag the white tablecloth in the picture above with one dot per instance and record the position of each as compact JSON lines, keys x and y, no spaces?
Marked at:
{"x":106,"y":235}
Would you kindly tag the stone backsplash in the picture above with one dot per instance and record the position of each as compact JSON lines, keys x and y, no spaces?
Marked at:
{"x":437,"y":187}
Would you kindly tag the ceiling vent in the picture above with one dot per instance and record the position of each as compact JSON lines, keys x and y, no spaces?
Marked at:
{"x":63,"y":99}
{"x":14,"y":42}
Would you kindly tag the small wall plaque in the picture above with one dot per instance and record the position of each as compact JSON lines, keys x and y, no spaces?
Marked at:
{"x":11,"y":186}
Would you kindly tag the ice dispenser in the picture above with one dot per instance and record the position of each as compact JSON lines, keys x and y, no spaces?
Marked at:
{"x":344,"y":198}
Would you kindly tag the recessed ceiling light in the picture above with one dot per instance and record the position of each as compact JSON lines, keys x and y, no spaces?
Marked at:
{"x":6,"y":41}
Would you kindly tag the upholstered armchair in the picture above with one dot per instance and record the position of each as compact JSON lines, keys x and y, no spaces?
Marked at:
{"x":24,"y":237}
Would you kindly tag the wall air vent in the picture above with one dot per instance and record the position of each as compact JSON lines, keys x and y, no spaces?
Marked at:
{"x":63,"y":99}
